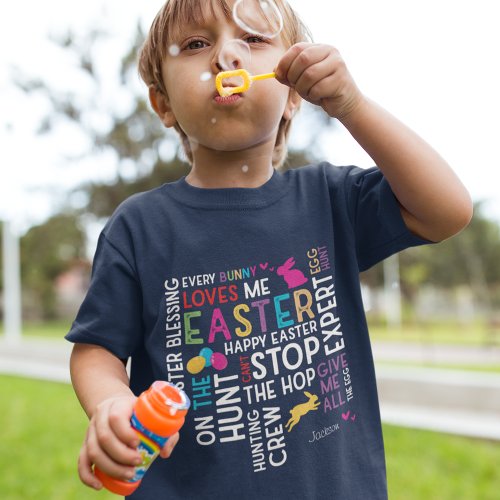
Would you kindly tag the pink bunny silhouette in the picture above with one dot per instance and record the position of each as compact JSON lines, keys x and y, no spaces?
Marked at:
{"x":293,"y":277}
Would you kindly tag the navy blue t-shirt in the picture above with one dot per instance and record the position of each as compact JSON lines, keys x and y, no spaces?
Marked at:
{"x":249,"y":300}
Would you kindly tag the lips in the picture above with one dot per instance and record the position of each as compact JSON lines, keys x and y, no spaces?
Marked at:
{"x":231,"y":99}
{"x":226,"y":99}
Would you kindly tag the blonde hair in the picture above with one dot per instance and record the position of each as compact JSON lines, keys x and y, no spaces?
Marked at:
{"x":175,"y":13}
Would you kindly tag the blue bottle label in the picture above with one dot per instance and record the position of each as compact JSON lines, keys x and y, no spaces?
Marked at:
{"x":149,"y":448}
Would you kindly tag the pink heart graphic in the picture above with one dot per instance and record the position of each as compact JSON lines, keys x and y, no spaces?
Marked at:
{"x":264,"y":266}
{"x":353,"y":418}
{"x":271,"y":269}
{"x":345,"y":416}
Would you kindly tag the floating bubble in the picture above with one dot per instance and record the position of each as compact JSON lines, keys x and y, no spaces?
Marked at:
{"x":214,"y":120}
{"x":193,"y":143}
{"x":174,"y":50}
{"x":261,"y":17}
{"x":244,"y":168}
{"x":205,"y":76}
{"x":234,"y":54}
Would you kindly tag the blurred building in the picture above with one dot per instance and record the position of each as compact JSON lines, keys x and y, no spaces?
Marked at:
{"x":71,"y":287}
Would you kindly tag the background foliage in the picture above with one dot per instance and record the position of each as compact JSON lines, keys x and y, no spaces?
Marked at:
{"x":147,"y":155}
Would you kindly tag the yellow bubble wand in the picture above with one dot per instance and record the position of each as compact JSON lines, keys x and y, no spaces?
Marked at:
{"x":244,"y":75}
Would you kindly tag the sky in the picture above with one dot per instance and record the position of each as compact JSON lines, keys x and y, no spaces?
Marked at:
{"x":429,"y":62}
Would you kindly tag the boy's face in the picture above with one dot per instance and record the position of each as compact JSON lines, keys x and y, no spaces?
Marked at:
{"x":235,"y":123}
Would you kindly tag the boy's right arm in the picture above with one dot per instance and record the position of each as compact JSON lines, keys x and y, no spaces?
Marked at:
{"x":101,"y":383}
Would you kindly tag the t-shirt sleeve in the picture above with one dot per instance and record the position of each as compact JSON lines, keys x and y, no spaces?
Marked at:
{"x":111,"y":313}
{"x":379,"y":228}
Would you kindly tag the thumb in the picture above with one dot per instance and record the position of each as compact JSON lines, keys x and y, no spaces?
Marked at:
{"x":167,"y":450}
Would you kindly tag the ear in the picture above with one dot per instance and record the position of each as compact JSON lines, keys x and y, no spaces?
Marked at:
{"x":160,"y":103}
{"x":292,"y":104}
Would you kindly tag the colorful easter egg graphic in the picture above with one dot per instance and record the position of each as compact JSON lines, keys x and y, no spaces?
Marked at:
{"x":206,"y":352}
{"x":219,"y":361}
{"x":196,"y":364}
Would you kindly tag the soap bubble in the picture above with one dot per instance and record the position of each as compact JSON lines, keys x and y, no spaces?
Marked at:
{"x":244,"y":168}
{"x":260,"y":17}
{"x":234,"y":54}
{"x":174,"y":50}
{"x":193,"y":143}
{"x":205,"y":76}
{"x":214,"y":121}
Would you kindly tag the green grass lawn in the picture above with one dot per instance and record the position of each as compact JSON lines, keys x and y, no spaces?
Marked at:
{"x":42,"y":330}
{"x":43,"y":425}
{"x":42,"y":428}
{"x":446,"y":332}
{"x":52,"y":329}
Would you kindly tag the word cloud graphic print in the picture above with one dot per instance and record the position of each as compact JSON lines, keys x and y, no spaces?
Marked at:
{"x":260,"y":351}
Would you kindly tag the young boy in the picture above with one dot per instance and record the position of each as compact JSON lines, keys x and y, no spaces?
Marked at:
{"x":240,"y":284}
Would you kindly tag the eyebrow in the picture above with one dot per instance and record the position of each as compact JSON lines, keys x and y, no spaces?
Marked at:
{"x":198,"y":16}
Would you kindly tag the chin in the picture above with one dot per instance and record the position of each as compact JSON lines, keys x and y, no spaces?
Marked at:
{"x":242,"y":140}
{"x":233,"y":146}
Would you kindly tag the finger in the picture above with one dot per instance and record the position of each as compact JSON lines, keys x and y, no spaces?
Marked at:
{"x":119,"y":417}
{"x":305,"y":61}
{"x":167,"y":450}
{"x":324,"y":80}
{"x":322,"y":91}
{"x":290,"y":55}
{"x":119,"y":451}
{"x":315,"y":77}
{"x":101,"y":459}
{"x":85,"y":471}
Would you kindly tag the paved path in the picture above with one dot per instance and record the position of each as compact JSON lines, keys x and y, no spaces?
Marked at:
{"x":455,"y":401}
{"x":42,"y":359}
{"x":436,"y":353}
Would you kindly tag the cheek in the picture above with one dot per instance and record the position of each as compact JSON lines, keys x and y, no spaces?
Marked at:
{"x":185,"y":106}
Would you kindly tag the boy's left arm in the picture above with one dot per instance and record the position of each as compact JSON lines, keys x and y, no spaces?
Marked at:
{"x":434,"y":203}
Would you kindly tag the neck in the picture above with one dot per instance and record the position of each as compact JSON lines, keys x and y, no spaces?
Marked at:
{"x":231,"y":169}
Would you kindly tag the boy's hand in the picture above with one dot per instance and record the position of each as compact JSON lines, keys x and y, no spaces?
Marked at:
{"x":110,"y":442}
{"x":319,"y":75}
{"x":167,"y":450}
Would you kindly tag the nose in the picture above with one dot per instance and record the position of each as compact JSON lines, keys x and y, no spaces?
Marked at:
{"x":230,"y":55}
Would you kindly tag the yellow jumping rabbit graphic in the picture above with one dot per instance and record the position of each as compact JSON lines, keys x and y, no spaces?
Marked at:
{"x":301,"y":409}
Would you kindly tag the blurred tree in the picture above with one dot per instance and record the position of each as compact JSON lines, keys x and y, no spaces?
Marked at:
{"x":469,"y":258}
{"x":147,"y":154}
{"x":47,"y":251}
{"x":1,"y":256}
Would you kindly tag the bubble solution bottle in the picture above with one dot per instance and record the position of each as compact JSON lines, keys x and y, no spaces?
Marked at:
{"x":159,"y":412}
